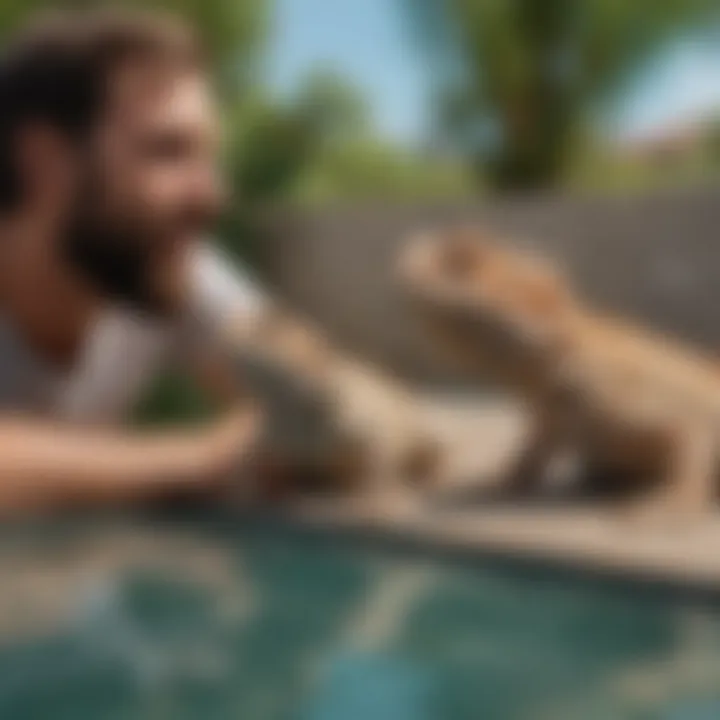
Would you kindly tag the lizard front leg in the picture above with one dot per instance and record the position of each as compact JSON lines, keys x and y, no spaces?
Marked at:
{"x":528,"y":468}
{"x":687,"y":482}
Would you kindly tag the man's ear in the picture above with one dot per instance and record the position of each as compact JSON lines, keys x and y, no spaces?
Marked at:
{"x":47,"y":166}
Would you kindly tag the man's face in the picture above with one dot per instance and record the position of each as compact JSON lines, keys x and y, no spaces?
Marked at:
{"x":149,"y":187}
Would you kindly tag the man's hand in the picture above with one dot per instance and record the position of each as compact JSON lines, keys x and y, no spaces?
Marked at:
{"x":44,"y":466}
{"x":225,"y":446}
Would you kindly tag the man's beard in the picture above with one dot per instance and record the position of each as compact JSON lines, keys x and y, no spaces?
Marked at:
{"x":124,"y":258}
{"x":115,"y":260}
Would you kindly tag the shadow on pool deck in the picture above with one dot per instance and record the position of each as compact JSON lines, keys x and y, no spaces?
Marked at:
{"x":581,"y":534}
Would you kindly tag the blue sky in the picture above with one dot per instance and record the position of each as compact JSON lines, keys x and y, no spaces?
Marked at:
{"x":682,"y":85}
{"x":365,"y":41}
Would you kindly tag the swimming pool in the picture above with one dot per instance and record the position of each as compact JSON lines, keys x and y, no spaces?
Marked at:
{"x":170,"y":621}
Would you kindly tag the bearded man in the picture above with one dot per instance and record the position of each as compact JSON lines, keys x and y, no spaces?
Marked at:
{"x":109,"y":186}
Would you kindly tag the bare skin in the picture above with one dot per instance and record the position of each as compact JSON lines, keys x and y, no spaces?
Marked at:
{"x":632,"y":404}
{"x":47,"y":466}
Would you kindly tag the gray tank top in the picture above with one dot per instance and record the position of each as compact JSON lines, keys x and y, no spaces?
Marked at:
{"x":123,"y":352}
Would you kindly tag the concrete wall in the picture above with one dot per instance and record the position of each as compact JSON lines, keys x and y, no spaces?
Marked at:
{"x":655,"y":258}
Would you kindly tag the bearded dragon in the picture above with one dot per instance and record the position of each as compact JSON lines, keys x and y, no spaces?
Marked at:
{"x":332,"y":423}
{"x":632,"y":405}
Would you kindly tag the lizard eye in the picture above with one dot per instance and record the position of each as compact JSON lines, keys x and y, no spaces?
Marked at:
{"x":461,"y":258}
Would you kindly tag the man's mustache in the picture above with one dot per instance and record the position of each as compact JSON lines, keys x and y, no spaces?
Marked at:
{"x":198,"y":219}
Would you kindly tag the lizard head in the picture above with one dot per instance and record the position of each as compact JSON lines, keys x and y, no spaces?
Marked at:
{"x":485,"y":298}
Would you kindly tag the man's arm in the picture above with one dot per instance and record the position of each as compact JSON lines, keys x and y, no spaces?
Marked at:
{"x":46,"y":466}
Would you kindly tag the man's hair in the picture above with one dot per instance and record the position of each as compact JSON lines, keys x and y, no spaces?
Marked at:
{"x":57,"y":69}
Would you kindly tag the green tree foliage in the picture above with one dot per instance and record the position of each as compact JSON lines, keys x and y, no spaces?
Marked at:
{"x":275,"y":142}
{"x":272,"y":146}
{"x":713,"y":142}
{"x":369,"y":168}
{"x":321,"y":145}
{"x":516,"y":79}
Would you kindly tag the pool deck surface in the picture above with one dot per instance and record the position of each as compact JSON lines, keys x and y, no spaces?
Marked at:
{"x":580,"y":535}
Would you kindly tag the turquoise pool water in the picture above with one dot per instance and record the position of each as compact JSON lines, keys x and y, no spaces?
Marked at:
{"x":136,"y":621}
